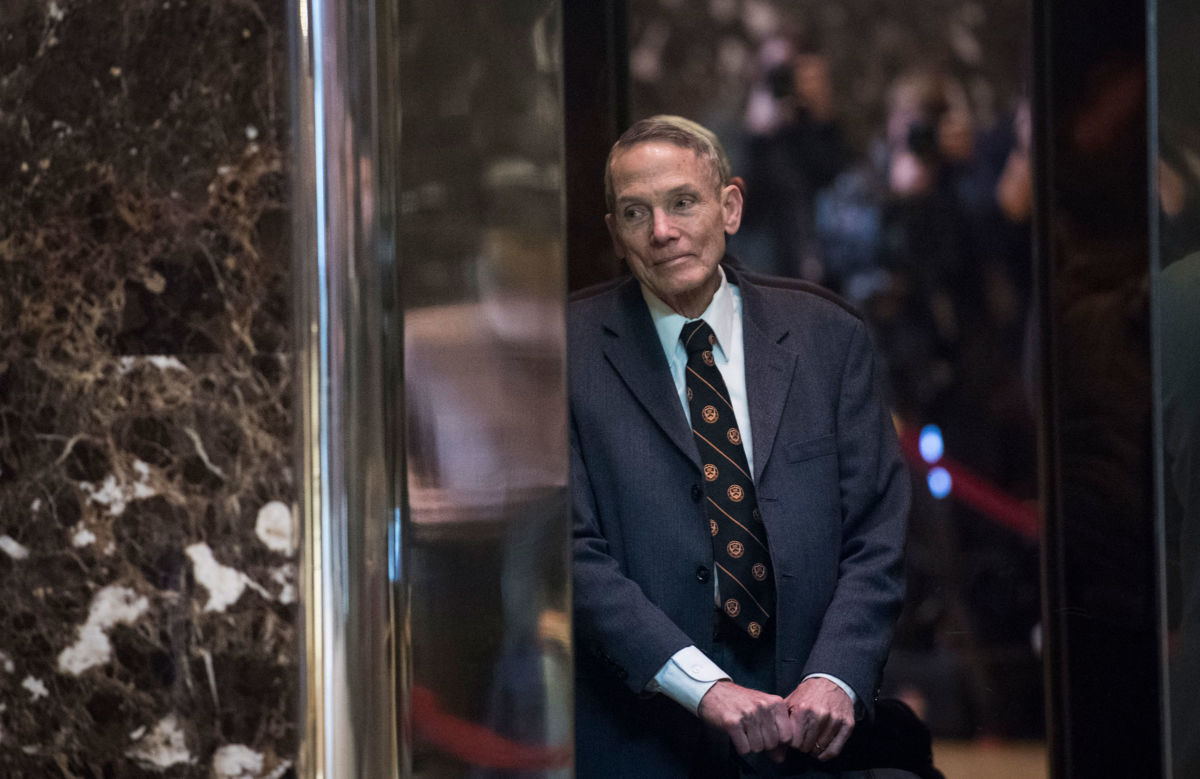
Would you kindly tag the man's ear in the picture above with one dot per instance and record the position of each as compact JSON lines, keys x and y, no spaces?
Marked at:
{"x":618,"y":245}
{"x":731,"y":208}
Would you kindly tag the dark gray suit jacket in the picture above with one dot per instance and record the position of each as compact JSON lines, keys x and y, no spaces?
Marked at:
{"x":831,"y":487}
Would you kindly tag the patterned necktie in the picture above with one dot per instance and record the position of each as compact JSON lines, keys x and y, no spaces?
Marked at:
{"x":745,"y":584}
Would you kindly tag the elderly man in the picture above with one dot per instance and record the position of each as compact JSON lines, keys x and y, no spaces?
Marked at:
{"x":739,"y":500}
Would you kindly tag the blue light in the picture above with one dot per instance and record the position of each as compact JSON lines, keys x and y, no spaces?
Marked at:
{"x":939,"y":482}
{"x":930,"y":444}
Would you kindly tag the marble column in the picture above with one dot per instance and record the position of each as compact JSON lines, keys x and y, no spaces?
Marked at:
{"x":147,"y":533}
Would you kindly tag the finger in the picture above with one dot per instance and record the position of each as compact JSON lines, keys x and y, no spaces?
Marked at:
{"x":795,"y":728}
{"x":772,"y":722}
{"x":754,"y":735}
{"x":783,"y":726}
{"x":738,"y":736}
{"x":837,"y":742}
{"x":825,"y":735}
{"x":796,"y":721}
{"x":770,"y":727}
{"x":813,"y":724}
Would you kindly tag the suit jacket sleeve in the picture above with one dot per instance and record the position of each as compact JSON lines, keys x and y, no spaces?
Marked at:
{"x":855,"y":634}
{"x":614,"y":620}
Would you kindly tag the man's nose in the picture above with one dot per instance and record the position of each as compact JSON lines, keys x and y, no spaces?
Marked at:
{"x":664,"y":228}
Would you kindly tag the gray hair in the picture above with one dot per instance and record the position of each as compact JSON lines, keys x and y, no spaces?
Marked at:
{"x":677,"y":131}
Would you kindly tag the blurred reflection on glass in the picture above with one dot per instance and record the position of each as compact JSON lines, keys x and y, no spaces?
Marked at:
{"x":1102,"y":367}
{"x":1177,"y":120}
{"x":1179,"y":310}
{"x":479,"y":239}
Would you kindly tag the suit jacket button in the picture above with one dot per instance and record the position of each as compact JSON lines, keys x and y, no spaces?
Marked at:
{"x":701,"y":574}
{"x":697,"y":493}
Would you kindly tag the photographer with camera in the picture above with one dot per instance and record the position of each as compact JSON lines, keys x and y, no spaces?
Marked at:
{"x":793,"y":149}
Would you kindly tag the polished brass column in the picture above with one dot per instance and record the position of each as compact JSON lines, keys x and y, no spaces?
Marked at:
{"x":430,"y":315}
{"x":346,"y":471}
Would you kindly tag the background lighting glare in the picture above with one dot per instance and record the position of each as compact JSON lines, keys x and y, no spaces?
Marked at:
{"x":939,"y":482}
{"x":930,"y":444}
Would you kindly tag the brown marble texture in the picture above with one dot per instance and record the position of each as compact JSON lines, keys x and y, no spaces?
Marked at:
{"x":147,"y":579}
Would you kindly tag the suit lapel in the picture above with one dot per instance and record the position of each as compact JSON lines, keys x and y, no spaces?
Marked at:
{"x":769,"y":369}
{"x":636,"y":355}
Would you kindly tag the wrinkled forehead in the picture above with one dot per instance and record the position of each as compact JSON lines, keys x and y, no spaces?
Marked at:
{"x":660,"y":164}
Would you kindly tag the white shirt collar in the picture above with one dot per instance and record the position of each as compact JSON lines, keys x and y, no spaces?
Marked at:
{"x":719,"y":315}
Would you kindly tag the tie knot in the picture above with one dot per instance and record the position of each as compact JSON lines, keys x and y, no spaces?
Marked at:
{"x":697,"y":336}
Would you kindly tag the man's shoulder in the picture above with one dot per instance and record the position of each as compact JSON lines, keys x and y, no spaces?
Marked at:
{"x":800,"y":304}
{"x":599,"y":289}
{"x":805,"y":293}
{"x":592,"y":305}
{"x":598,"y":295}
{"x":784,"y":301}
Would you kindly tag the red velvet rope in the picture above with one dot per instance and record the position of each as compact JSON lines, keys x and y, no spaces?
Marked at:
{"x":1020,"y":516}
{"x":476,"y":744}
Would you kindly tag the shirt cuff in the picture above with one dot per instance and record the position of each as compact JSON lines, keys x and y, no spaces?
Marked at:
{"x":686,"y":677}
{"x":845,"y":687}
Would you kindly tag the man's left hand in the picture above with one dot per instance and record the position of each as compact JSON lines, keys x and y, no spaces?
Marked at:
{"x":822,"y":716}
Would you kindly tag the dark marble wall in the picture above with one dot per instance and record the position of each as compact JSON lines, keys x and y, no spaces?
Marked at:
{"x":147,"y":564}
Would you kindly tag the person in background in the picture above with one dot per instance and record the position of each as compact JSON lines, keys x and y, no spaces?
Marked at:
{"x":793,"y":148}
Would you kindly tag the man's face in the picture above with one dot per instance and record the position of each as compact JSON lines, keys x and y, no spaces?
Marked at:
{"x":669,"y":222}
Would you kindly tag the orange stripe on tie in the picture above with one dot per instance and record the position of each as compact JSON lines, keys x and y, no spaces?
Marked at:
{"x":711,"y":387}
{"x":748,"y":595}
{"x":739,"y":524}
{"x":727,"y":457}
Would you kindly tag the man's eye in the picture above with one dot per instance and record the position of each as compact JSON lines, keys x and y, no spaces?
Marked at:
{"x":633,"y":214}
{"x":684,"y":202}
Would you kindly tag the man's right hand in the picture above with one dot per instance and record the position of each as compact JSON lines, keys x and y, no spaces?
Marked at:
{"x":755,"y":721}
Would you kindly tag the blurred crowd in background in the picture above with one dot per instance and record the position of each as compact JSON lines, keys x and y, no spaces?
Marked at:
{"x":885,"y":153}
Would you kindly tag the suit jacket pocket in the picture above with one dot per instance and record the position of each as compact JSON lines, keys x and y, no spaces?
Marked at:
{"x":798,"y":451}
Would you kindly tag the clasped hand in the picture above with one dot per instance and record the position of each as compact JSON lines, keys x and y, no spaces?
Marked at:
{"x":817,"y":718}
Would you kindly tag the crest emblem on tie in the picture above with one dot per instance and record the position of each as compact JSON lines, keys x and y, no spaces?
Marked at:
{"x":739,"y":548}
